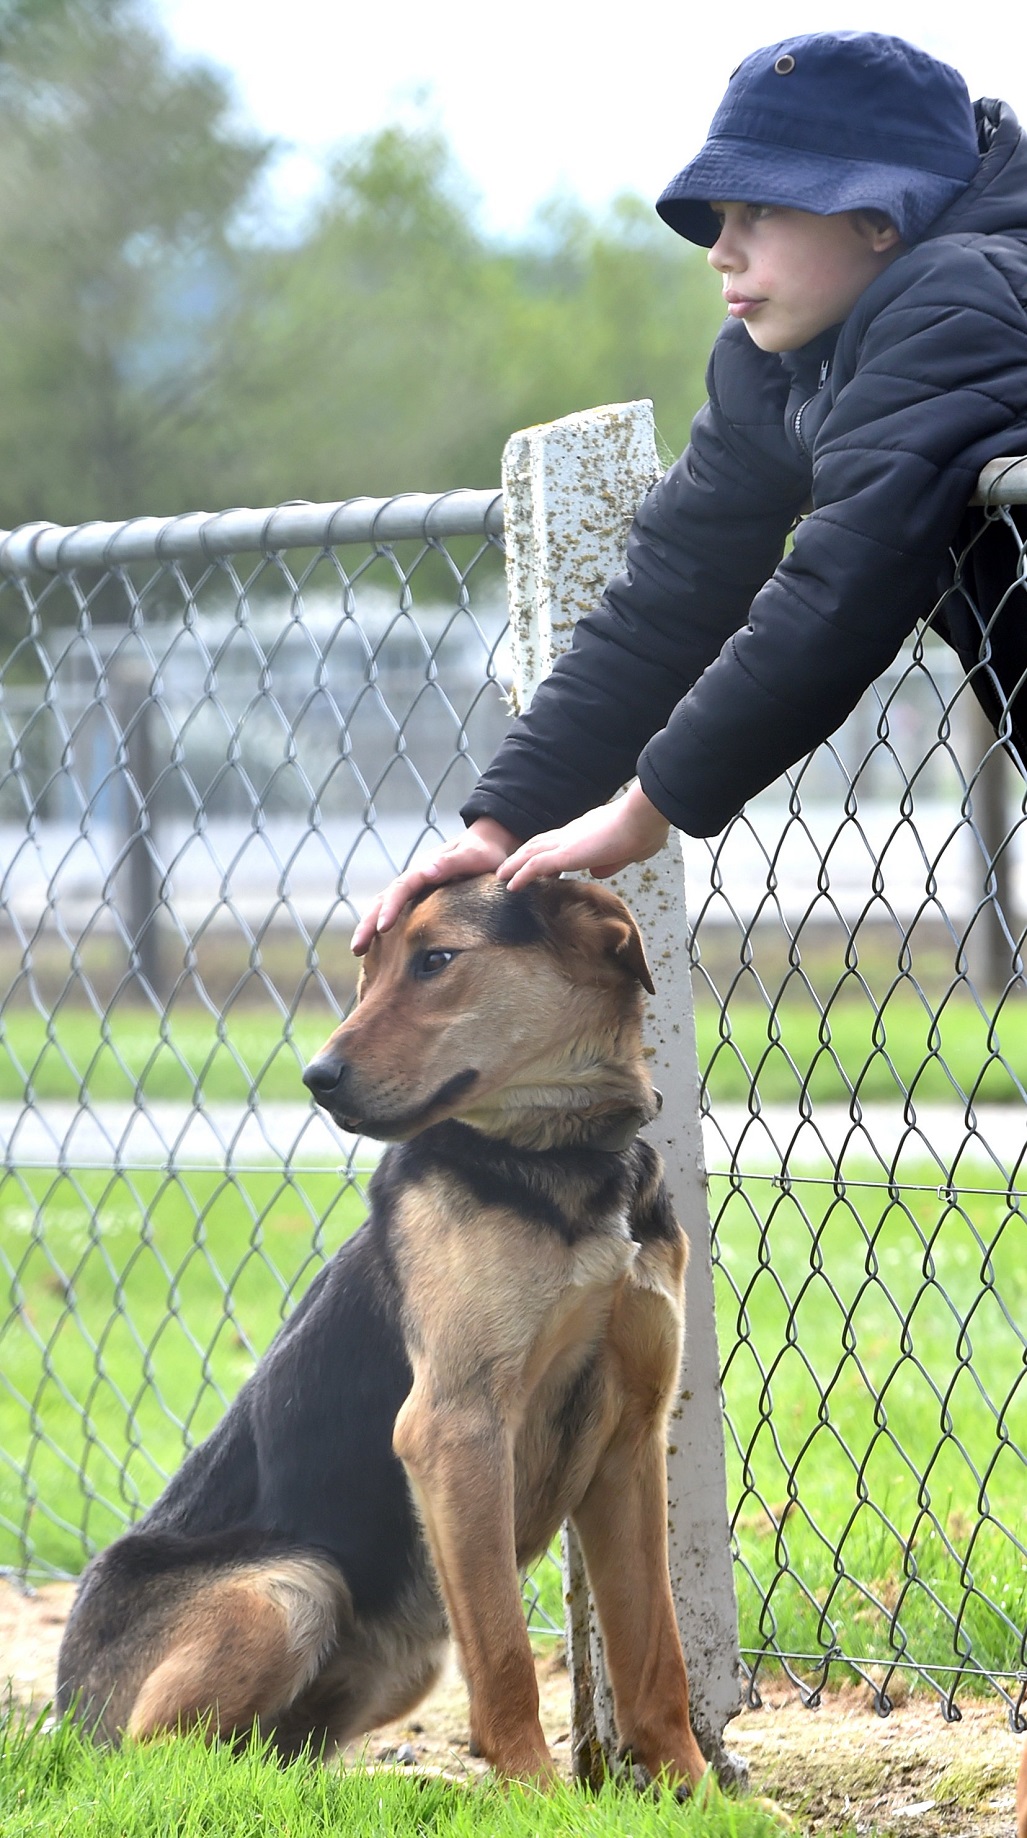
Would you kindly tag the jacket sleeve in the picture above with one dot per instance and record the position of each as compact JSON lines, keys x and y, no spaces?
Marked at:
{"x":937,"y":383}
{"x":704,"y":541}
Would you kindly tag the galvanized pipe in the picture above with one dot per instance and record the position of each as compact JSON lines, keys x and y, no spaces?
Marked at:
{"x":51,"y":548}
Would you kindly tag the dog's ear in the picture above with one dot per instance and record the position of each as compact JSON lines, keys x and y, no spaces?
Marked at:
{"x":606,"y":925}
{"x":625,"y":944}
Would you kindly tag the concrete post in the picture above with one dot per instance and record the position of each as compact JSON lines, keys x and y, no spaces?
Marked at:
{"x":570,"y":489}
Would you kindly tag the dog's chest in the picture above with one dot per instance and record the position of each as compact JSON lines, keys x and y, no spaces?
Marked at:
{"x":507,"y":1323}
{"x":480,"y":1283}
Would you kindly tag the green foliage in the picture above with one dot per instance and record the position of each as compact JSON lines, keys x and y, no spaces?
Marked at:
{"x":120,"y":174}
{"x":880,"y":1047}
{"x":396,"y":349}
{"x":161,"y":350}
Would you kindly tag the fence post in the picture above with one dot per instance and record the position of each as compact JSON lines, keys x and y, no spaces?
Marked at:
{"x":570,"y":489}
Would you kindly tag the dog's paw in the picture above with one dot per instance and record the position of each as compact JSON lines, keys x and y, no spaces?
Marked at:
{"x":632,"y":1773}
{"x":704,"y":1791}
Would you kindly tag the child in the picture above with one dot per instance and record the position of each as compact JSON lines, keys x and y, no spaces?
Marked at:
{"x":870,"y":229}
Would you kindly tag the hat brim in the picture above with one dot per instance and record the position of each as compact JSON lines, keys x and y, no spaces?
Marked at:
{"x":730,"y":169}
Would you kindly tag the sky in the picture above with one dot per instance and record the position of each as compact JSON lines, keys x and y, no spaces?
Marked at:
{"x":548,"y":97}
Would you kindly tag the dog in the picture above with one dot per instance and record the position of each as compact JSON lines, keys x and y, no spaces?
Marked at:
{"x":494,"y":1351}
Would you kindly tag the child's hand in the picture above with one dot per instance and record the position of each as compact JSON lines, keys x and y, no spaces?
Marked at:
{"x":603,"y":841}
{"x":481,"y":849}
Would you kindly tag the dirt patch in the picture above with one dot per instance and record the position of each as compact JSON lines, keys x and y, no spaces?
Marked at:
{"x":31,"y":1626}
{"x":909,"y":1775}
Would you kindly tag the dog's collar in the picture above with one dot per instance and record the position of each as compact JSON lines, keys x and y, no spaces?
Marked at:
{"x":618,"y":1133}
{"x":540,"y":1131}
{"x":617,"y":1129}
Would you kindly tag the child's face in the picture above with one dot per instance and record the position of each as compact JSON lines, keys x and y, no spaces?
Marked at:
{"x":789,"y":274}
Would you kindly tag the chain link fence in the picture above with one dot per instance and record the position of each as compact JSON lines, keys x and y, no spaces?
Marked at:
{"x":857,"y":946}
{"x":221,"y":735}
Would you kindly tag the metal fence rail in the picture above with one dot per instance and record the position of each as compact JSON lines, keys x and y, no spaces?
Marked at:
{"x":220,"y":735}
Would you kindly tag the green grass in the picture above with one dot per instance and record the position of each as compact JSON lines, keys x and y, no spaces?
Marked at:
{"x":877,"y":1399}
{"x":879,"y":1047}
{"x":140,"y":1306}
{"x":901,"y":1046}
{"x":134,"y":1308}
{"x":55,"y":1784}
{"x":135,"y":1052}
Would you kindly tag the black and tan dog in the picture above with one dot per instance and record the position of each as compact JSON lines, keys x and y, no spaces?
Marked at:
{"x":495,"y":1350}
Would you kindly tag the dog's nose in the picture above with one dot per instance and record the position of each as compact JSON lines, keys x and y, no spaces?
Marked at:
{"x":325,"y":1078}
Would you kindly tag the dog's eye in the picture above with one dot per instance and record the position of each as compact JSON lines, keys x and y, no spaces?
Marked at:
{"x":429,"y":963}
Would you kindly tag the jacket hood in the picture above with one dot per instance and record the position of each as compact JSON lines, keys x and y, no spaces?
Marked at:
{"x":996,"y":197}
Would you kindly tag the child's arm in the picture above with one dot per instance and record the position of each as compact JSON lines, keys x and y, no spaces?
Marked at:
{"x":929,"y":381}
{"x":670,"y":678}
{"x":703,"y":543}
{"x":706,"y":538}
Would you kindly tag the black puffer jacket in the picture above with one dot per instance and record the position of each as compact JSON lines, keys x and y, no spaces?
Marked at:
{"x":712,"y":663}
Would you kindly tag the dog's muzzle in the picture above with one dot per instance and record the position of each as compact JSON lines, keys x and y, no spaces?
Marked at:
{"x":326,"y":1078}
{"x":329,"y":1081}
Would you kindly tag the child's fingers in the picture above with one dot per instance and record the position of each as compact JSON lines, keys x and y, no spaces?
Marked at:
{"x":537,"y":868}
{"x":386,"y":909}
{"x":561,"y":852}
{"x":549,"y":864}
{"x":365,"y":930}
{"x":527,"y":863}
{"x":469,"y":855}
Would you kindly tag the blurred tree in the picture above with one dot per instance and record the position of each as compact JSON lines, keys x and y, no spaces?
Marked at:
{"x":632,"y":311}
{"x":121,"y":175}
{"x":396,"y":349}
{"x":160,"y":350}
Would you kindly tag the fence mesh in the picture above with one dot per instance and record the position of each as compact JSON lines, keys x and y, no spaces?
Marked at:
{"x":211,"y":759}
{"x":856,"y":941}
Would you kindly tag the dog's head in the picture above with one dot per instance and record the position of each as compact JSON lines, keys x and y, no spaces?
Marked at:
{"x":519,"y":1013}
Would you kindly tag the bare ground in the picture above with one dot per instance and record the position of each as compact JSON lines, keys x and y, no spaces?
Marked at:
{"x":839,"y":1768}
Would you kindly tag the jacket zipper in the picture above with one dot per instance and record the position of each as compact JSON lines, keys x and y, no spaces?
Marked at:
{"x":803,"y":406}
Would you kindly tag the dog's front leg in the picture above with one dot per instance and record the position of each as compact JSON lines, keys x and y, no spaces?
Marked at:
{"x":622,"y":1524}
{"x":459,"y":1460}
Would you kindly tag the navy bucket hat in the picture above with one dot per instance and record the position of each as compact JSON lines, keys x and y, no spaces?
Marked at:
{"x":835,"y":121}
